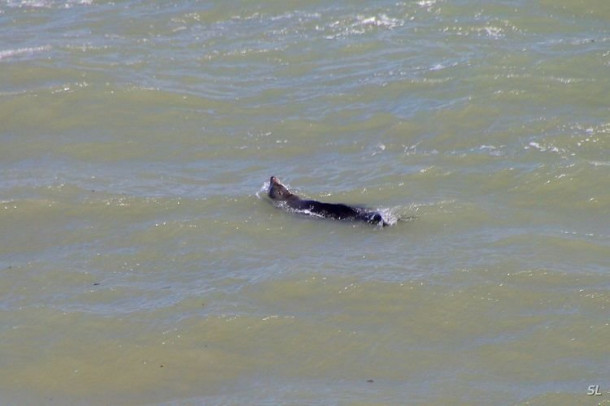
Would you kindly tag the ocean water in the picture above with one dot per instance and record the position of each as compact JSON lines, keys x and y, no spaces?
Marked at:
{"x":141,"y":263}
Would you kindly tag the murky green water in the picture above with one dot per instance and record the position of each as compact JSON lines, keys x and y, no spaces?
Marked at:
{"x":141,"y":263}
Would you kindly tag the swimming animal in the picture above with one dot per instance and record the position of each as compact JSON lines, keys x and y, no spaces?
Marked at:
{"x":339,"y":211}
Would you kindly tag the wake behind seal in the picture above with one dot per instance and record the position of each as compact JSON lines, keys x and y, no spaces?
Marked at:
{"x":338,"y":211}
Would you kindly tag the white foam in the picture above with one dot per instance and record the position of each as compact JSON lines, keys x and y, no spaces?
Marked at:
{"x":381,"y":20}
{"x":543,"y":148}
{"x":426,"y":3}
{"x":49,"y":3}
{"x":600,"y":163}
{"x":10,"y":53}
{"x":360,"y":24}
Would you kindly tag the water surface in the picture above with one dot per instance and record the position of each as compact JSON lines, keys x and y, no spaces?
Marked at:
{"x":140,"y":264}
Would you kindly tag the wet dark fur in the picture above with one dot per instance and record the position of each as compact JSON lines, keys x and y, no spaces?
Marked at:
{"x":339,"y":211}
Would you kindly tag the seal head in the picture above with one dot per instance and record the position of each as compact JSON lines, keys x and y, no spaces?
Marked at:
{"x":277,"y":191}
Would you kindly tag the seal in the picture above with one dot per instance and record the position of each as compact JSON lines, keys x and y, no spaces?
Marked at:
{"x":338,"y":211}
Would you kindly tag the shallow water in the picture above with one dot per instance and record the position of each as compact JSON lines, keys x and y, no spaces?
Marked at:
{"x":140,"y":264}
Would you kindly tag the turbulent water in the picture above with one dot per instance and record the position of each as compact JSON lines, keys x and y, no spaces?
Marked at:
{"x":140,"y":265}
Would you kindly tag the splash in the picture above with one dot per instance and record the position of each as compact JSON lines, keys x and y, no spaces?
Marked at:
{"x":395,"y":214}
{"x":262,"y":192}
{"x":389,"y":216}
